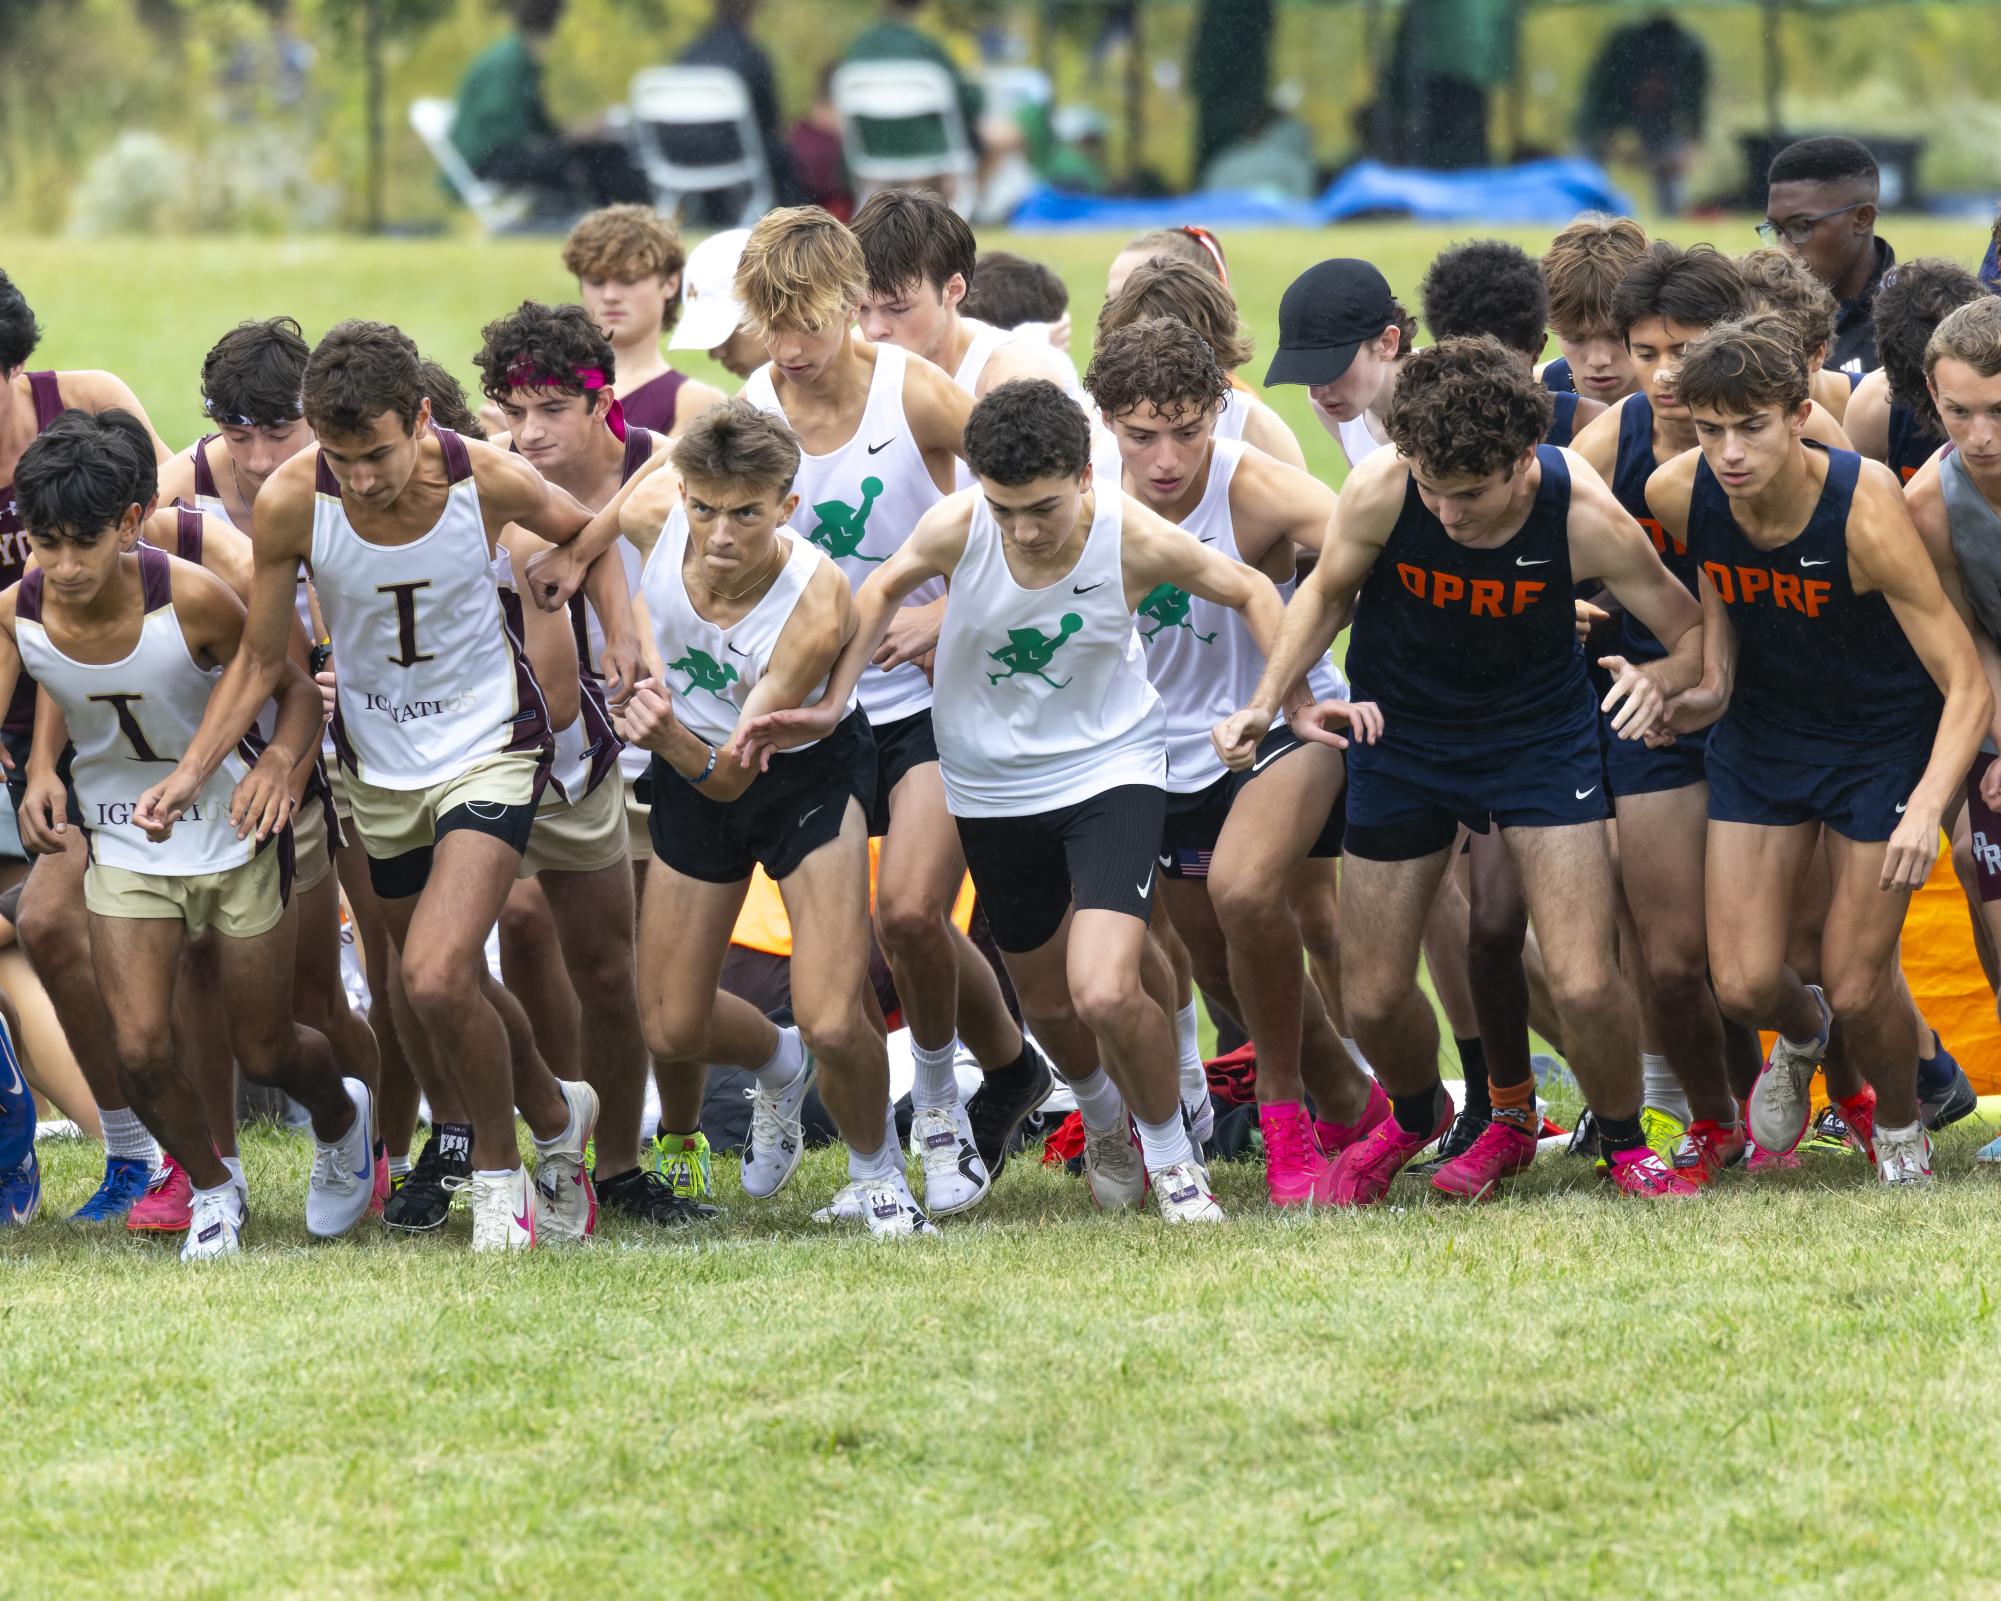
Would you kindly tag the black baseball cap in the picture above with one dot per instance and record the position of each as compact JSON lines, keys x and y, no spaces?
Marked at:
{"x":1330,"y":311}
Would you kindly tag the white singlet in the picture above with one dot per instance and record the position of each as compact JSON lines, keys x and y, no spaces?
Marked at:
{"x":131,"y":721}
{"x":711,"y":670}
{"x":858,"y":504}
{"x":1043,"y":698}
{"x":431,"y":678}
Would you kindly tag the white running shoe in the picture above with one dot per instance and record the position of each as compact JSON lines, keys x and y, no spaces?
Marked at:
{"x":215,"y":1225}
{"x":1781,"y":1105}
{"x":1195,"y":1103}
{"x":1112,"y":1167}
{"x":503,"y":1212}
{"x":777,"y":1142}
{"x":343,"y":1179}
{"x":563,"y":1186}
{"x":1182,"y":1189}
{"x":1904,"y":1156}
{"x":955,"y":1179}
{"x":892,"y":1212}
{"x":845,"y":1207}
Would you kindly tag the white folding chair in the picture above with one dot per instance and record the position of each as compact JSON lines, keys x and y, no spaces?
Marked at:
{"x":498,"y":209}
{"x":903,"y":91}
{"x":699,"y":97}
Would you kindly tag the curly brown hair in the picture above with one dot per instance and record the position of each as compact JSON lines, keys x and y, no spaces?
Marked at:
{"x":1159,"y":360}
{"x":1467,"y":408}
{"x":627,"y":243}
{"x":448,"y":402}
{"x":1779,"y":281}
{"x":1746,"y":366}
{"x":1160,"y":287}
{"x":551,"y":342}
{"x":356,"y":373}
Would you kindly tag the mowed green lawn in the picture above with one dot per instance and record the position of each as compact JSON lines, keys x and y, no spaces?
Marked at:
{"x":1782,"y":1388}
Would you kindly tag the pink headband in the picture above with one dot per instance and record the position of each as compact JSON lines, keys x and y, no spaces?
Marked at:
{"x":524,"y":376}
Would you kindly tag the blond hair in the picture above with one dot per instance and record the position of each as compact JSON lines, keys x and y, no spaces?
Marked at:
{"x":802,"y":269}
{"x":1582,"y":267}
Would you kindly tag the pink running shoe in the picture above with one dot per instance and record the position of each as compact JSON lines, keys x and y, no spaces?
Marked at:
{"x":1763,"y":1161}
{"x":380,"y":1197}
{"x":1501,"y":1151}
{"x":1293,"y":1164}
{"x":1334,"y":1138}
{"x":1365,"y":1170}
{"x":1642,"y":1172}
{"x":168,"y":1206}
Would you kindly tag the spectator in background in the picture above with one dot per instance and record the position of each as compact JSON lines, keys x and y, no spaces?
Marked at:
{"x":1450,"y":57}
{"x":1229,"y":73}
{"x":1651,"y":79}
{"x":896,"y":37}
{"x":819,"y":164}
{"x":1820,"y":204}
{"x":506,"y":135}
{"x":726,"y":43}
{"x":1274,"y":158}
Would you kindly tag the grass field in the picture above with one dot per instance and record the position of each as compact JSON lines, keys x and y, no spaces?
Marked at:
{"x":1781,"y":1389}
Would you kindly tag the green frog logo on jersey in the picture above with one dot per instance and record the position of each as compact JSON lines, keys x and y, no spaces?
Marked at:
{"x":842,"y":527}
{"x":1168,"y":607}
{"x":704,"y":672}
{"x":1028,"y":651}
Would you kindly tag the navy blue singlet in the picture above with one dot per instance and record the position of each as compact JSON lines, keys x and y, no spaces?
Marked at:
{"x":1911,"y":444}
{"x":1446,"y":635}
{"x":1556,"y":377}
{"x":1822,"y":672}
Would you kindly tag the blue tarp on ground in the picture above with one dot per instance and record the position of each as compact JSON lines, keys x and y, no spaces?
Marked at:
{"x":1537,"y":191}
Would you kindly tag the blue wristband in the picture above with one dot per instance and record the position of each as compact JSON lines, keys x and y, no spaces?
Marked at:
{"x":706,"y":771}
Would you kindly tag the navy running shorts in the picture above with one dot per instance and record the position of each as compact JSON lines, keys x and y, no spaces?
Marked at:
{"x":1752,"y":782}
{"x":1194,"y":821}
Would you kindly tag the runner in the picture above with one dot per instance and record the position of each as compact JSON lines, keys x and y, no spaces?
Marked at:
{"x":1779,"y":281}
{"x":1195,"y":245}
{"x":1344,"y":336}
{"x":443,"y":733}
{"x":711,"y":320}
{"x":1825,"y":690}
{"x":1023,"y":296}
{"x":628,"y":264}
{"x":1891,"y":418}
{"x":1488,"y":719}
{"x":128,"y":642}
{"x":1581,"y":268}
{"x":1239,"y":854}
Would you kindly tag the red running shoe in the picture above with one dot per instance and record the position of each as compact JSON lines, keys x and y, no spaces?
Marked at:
{"x":167,"y":1207}
{"x":1642,"y":1172}
{"x":1363,"y":1175}
{"x":1334,"y":1138}
{"x":1501,"y":1151}
{"x":1706,"y":1148}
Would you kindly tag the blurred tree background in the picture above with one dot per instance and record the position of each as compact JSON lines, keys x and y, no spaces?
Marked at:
{"x":142,"y":116}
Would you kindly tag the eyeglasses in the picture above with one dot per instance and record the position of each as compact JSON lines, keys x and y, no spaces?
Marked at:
{"x":1800,"y":230}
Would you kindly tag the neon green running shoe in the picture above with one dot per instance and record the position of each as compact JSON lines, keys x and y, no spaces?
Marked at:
{"x":683,"y":1161}
{"x":1663,"y":1131}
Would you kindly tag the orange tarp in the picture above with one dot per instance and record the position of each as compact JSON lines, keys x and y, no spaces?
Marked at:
{"x":763,"y":926}
{"x":1945,"y":977}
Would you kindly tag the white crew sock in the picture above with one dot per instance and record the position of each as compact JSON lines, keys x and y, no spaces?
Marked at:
{"x":1355,"y":1050}
{"x":936,"y":1084}
{"x":1099,"y":1101}
{"x":1164,"y":1144}
{"x":1188,"y":1040}
{"x":235,"y":1166}
{"x":125,"y":1136}
{"x":1662,"y":1090}
{"x":785,"y":1066}
{"x":878,"y":1166}
{"x":569,"y":1132}
{"x":399,"y":1167}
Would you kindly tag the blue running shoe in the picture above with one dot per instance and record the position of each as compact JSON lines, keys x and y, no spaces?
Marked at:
{"x":1990,"y":1152}
{"x":125,"y":1180}
{"x":17,"y":1107}
{"x":20,"y":1192}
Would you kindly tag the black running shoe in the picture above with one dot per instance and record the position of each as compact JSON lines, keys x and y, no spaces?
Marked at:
{"x":1950,"y":1096}
{"x":645,"y":1195}
{"x":1467,"y":1127}
{"x":422,"y":1202}
{"x":1583,"y":1138}
{"x":1002,"y":1104}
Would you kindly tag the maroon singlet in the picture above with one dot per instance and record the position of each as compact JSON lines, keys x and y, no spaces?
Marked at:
{"x":652,"y":404}
{"x":48,"y":399}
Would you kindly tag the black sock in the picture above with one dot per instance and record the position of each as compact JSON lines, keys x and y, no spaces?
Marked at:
{"x":1022,"y":1066}
{"x":1419,"y":1113}
{"x":1934,"y":1077}
{"x":1473,"y":1060}
{"x":1616,"y":1134}
{"x":454,"y":1139}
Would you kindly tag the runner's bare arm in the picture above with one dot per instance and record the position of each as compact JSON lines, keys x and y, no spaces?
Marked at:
{"x":558,"y":574}
{"x":1598,"y":440}
{"x":933,"y":550}
{"x":1275,"y":510}
{"x":1867,"y":420}
{"x":1887,"y":554}
{"x":256,"y":669}
{"x":106,"y":391}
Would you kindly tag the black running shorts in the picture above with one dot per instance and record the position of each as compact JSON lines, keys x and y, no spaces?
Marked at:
{"x":899,"y":746}
{"x":790,"y":810}
{"x":1098,"y":854}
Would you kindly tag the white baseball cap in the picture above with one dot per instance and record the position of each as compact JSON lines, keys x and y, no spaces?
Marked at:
{"x":709,"y":309}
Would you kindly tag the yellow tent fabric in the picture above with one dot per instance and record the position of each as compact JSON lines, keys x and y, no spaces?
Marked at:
{"x":1945,"y":977}
{"x":763,"y":926}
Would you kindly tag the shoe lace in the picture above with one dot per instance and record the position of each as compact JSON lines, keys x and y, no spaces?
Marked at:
{"x":1287,"y":1142}
{"x":943,"y":1157}
{"x":1110,"y":1152}
{"x":329,"y":1171}
{"x":767,"y":1124}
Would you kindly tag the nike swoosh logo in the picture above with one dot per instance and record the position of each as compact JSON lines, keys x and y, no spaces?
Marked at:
{"x":806,"y":817}
{"x":1146,"y":889}
{"x":1901,"y":805}
{"x":19,"y":1086}
{"x":522,"y":1223}
{"x":1263,"y":762}
{"x":1209,"y":539}
{"x":1523,"y":561}
{"x":872,"y":449}
{"x":1584,"y":794}
{"x":1085,"y":589}
{"x":1165,"y":861}
{"x":743,"y":653}
{"x":1824,"y":561}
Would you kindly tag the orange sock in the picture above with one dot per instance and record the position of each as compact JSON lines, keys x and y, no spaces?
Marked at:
{"x":1515,"y":1104}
